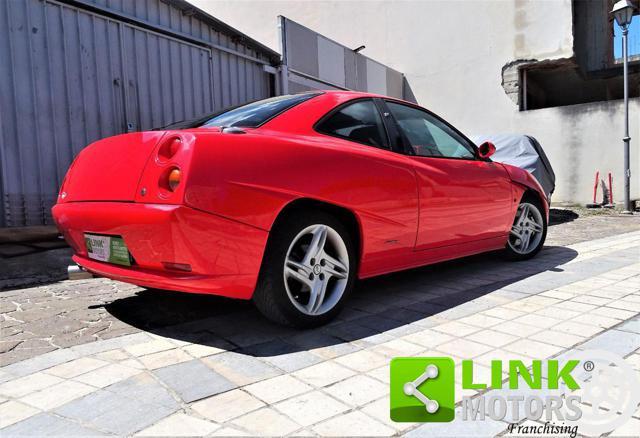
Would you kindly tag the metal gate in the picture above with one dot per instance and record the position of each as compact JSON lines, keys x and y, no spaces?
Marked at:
{"x":70,"y":76}
{"x":168,"y":80}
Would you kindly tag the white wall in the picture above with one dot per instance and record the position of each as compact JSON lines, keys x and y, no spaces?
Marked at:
{"x":452,"y":53}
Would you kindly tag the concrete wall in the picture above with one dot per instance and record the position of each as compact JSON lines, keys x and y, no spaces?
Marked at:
{"x":452,"y":53}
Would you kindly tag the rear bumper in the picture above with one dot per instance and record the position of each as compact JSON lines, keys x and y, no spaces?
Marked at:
{"x":224,"y":255}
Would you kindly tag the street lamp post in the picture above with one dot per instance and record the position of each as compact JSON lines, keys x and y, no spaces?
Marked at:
{"x":623,"y":13}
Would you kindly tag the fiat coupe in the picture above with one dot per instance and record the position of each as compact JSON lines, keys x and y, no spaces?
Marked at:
{"x":288,"y":201}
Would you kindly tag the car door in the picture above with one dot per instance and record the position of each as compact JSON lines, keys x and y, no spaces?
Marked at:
{"x":375,"y":182}
{"x":462,"y":197}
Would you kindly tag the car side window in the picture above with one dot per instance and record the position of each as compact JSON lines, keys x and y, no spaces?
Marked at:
{"x":359,"y":121}
{"x":427,"y":135}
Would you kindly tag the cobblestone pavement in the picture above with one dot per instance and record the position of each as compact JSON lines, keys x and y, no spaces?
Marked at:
{"x":100,"y":357}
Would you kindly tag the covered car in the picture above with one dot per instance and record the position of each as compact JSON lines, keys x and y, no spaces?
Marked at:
{"x":525,"y":152}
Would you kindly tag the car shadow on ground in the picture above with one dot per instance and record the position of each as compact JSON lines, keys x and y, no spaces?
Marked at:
{"x":379,"y":305}
{"x":559,"y":216}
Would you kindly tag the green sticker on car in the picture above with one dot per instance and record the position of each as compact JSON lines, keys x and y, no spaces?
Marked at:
{"x":111,"y":249}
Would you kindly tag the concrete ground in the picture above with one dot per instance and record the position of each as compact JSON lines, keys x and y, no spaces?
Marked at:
{"x":95,"y":357}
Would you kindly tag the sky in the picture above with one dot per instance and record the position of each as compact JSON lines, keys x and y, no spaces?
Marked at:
{"x":634,"y":38}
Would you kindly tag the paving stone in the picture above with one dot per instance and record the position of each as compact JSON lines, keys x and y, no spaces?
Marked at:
{"x":239,"y":368}
{"x":531,"y":348}
{"x":560,"y":339}
{"x":227,"y":406}
{"x":45,"y":424}
{"x":14,"y":411}
{"x":193,"y":380}
{"x":107,"y":375}
{"x":614,"y":313}
{"x":337,"y":350}
{"x":407,"y":329}
{"x":324,"y":374}
{"x":455,"y":328}
{"x":492,"y":338}
{"x":464,"y":348}
{"x":282,"y":355}
{"x":597,"y":320}
{"x":459,"y":428}
{"x":230,"y":431}
{"x":617,"y":341}
{"x":556,"y":312}
{"x":57,"y":395}
{"x":503,"y":355}
{"x":40,"y":363}
{"x":628,"y":429}
{"x":134,"y":363}
{"x":28,"y":384}
{"x":481,"y":320}
{"x":267,"y":422}
{"x":588,"y":299}
{"x":538,"y":320}
{"x":379,"y":411}
{"x":375,"y":339}
{"x":114,"y":413}
{"x":145,"y":389}
{"x":382,"y":373}
{"x":428,"y":338}
{"x":516,"y":328}
{"x":362,"y":360}
{"x":397,"y":347}
{"x":76,"y":367}
{"x":632,"y":326}
{"x":404,"y":315}
{"x":349,"y":331}
{"x":353,"y":424}
{"x":110,"y":344}
{"x":277,"y":388}
{"x":198,"y":350}
{"x":311,"y":408}
{"x":179,"y":424}
{"x":116,"y":355}
{"x":578,"y":329}
{"x":152,"y":346}
{"x":314,"y":339}
{"x":5,"y":377}
{"x":164,"y":358}
{"x":357,"y":390}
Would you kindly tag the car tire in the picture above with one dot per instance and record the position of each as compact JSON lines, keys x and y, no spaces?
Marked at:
{"x":308,"y":270}
{"x":528,"y":232}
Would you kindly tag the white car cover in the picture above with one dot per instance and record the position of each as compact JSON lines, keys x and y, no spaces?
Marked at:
{"x":524,"y":152}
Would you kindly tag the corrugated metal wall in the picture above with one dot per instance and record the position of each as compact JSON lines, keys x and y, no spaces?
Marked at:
{"x":70,"y":76}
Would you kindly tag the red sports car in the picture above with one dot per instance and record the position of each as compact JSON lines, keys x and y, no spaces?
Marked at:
{"x":288,"y":200}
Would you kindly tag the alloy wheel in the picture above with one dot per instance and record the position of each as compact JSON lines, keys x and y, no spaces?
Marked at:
{"x":527,"y":229}
{"x":316,"y":269}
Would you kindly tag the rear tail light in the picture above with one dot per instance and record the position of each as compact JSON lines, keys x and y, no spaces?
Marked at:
{"x":169,"y":180}
{"x":168,"y":149}
{"x":166,"y":172}
{"x":174,"y":179}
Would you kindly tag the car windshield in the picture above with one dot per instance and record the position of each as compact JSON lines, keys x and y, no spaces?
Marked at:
{"x":256,"y":113}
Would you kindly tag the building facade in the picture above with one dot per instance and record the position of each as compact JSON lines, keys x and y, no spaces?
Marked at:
{"x":542,"y":68}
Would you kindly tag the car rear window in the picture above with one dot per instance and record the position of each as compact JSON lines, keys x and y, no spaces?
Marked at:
{"x":254,"y":114}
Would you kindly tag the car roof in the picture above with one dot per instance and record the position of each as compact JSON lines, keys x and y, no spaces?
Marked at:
{"x":354,"y":94}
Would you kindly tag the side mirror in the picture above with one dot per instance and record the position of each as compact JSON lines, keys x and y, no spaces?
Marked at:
{"x":486,"y":149}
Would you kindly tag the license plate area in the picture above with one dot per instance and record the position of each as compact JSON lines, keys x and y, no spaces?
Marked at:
{"x":110,"y":249}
